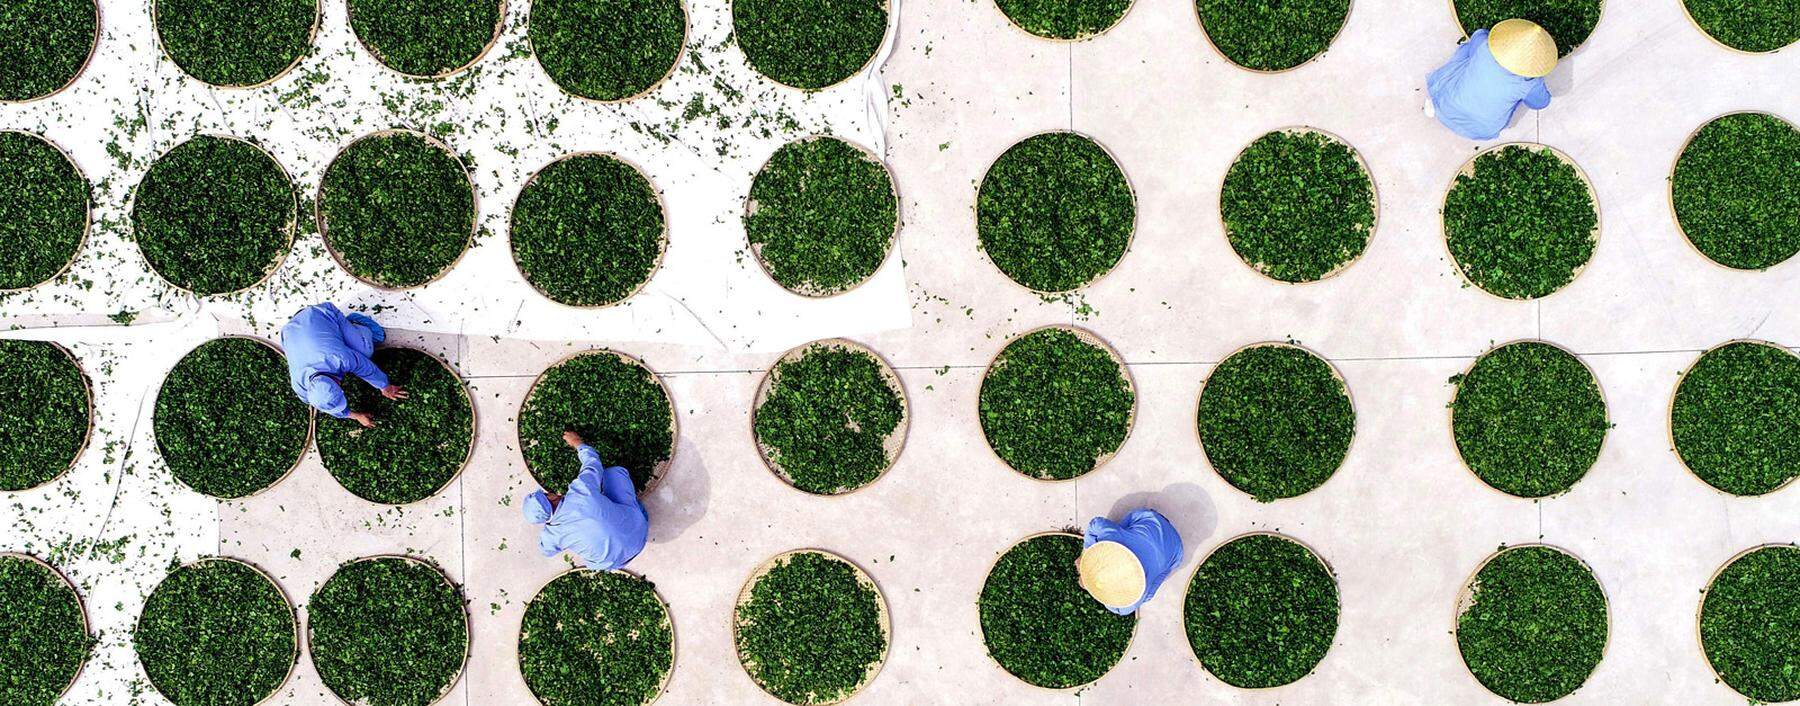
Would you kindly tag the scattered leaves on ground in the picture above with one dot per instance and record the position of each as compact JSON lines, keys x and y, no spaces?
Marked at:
{"x":616,"y":404}
{"x":216,"y":633}
{"x":43,"y":45}
{"x":1041,"y":625}
{"x":1272,"y":36}
{"x":1528,"y":419}
{"x":388,"y":632}
{"x":588,"y":230}
{"x":827,"y":419}
{"x":43,"y":639}
{"x":236,"y":43}
{"x":1261,"y":612}
{"x":1275,"y":421}
{"x":1569,"y":22}
{"x":1523,"y":225}
{"x":418,"y":444}
{"x":1052,"y":404}
{"x":227,"y":423}
{"x":44,"y":423}
{"x":426,"y":37}
{"x":809,"y":44}
{"x":811,"y":630}
{"x":1734,"y":192}
{"x":1748,"y":25}
{"x":1298,"y":206}
{"x":1750,"y":624}
{"x":43,"y":209}
{"x":596,"y":638}
{"x":1734,"y":418}
{"x":822,"y":216}
{"x":1065,"y":19}
{"x":1055,"y":212}
{"x":397,"y":209}
{"x":607,"y":50}
{"x":214,"y":215}
{"x":1535,"y":626}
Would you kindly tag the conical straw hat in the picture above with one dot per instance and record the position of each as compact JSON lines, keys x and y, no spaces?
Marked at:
{"x":1522,"y":47}
{"x":1111,"y":574}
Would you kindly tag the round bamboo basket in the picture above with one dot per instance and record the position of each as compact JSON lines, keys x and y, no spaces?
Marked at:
{"x":1572,"y":48}
{"x":293,"y":218}
{"x":80,"y":605}
{"x":312,"y":420}
{"x":1715,"y":40}
{"x":1091,"y":339}
{"x":750,"y":208}
{"x":1374,"y":204}
{"x":1670,"y":415}
{"x":1202,"y":563}
{"x":1670,"y":191}
{"x":990,"y":655}
{"x":1130,"y":238}
{"x":886,"y":10}
{"x":687,"y":33}
{"x":293,"y":616}
{"x":474,"y":210}
{"x":662,"y":468}
{"x":312,"y":36}
{"x":1700,"y":611}
{"x":87,"y":435}
{"x":1335,"y":373}
{"x":896,"y":439}
{"x":499,"y":24}
{"x":467,"y":636}
{"x":662,"y":246}
{"x":1465,"y":598}
{"x":1059,"y":40}
{"x":474,"y":434}
{"x":1468,"y":169}
{"x":674,"y":653}
{"x":93,"y":48}
{"x":1450,"y":416}
{"x":87,"y":225}
{"x":1207,"y":36}
{"x":862,"y":577}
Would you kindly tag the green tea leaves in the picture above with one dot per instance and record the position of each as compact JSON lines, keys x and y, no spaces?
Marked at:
{"x":1569,"y":22}
{"x":1054,"y":405}
{"x":812,"y":629}
{"x":1747,"y":624}
{"x":426,"y":38}
{"x":214,"y":215}
{"x":43,"y":209}
{"x":1040,"y":625}
{"x":1054,"y":212}
{"x":1068,"y":20}
{"x":1528,"y":419}
{"x":596,"y":638}
{"x":1272,"y":36}
{"x":1733,"y":190}
{"x":236,"y":43}
{"x":1534,"y":625}
{"x":1298,"y":206}
{"x":388,"y":631}
{"x":809,"y":44}
{"x":830,"y":420}
{"x":1734,"y":418}
{"x":615,"y":403}
{"x":1748,"y":25}
{"x":397,"y":209}
{"x":44,"y":44}
{"x":217,"y":632}
{"x":418,"y":444}
{"x":44,"y":423}
{"x":1275,"y":421}
{"x":1261,"y":611}
{"x":588,"y":230}
{"x":1521,"y":223}
{"x":227,"y":423}
{"x":821,"y":216}
{"x":607,"y":50}
{"x":45,"y":634}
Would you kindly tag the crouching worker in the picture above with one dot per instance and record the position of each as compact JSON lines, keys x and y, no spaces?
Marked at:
{"x":598,"y":520}
{"x":1123,"y":563}
{"x":1477,"y":91}
{"x":322,"y":345}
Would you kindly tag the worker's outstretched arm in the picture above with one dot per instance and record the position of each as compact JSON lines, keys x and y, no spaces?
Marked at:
{"x":365,"y":369}
{"x":1539,"y":97}
{"x":590,"y":459}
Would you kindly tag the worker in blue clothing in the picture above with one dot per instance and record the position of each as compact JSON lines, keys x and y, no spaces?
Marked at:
{"x":599,"y":519}
{"x":322,"y":346}
{"x":1122,"y":563}
{"x":1477,"y":91}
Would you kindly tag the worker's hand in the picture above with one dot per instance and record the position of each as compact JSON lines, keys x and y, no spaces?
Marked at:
{"x":394,"y":392}
{"x":572,"y":439}
{"x":363,"y":418}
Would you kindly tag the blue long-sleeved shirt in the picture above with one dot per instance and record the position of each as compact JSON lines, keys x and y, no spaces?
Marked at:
{"x":1475,"y":96}
{"x":1148,"y":535}
{"x":322,"y":345}
{"x":599,"y":519}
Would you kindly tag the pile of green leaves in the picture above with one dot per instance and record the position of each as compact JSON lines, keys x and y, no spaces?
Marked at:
{"x":1569,"y":22}
{"x":227,"y":423}
{"x":1041,"y":625}
{"x":418,"y":444}
{"x":426,"y":38}
{"x":596,"y":638}
{"x":1522,"y":225}
{"x":1734,"y":192}
{"x":607,"y":50}
{"x":616,"y":404}
{"x":1275,"y":421}
{"x":43,"y":638}
{"x":44,"y":423}
{"x":1298,"y":206}
{"x":1052,"y":405}
{"x":43,"y":209}
{"x":388,"y":632}
{"x":216,"y":632}
{"x":1272,"y":36}
{"x":1528,"y":419}
{"x":1069,"y":20}
{"x":236,"y":43}
{"x":1536,"y":625}
{"x":822,"y":216}
{"x":588,"y":230}
{"x":1735,"y":415}
{"x":1753,"y":26}
{"x":1261,"y":612}
{"x":43,"y":45}
{"x":1055,"y":212}
{"x":811,"y":630}
{"x":1748,"y":621}
{"x":827,"y":419}
{"x":214,"y":215}
{"x":397,"y":209}
{"x":809,"y":44}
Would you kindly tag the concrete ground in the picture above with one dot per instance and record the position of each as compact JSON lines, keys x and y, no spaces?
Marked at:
{"x":1402,"y":522}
